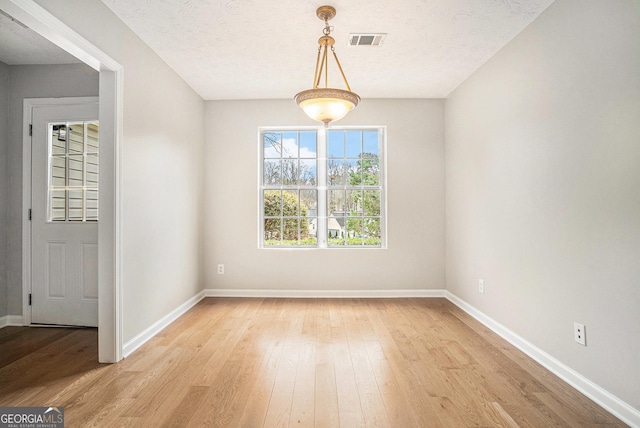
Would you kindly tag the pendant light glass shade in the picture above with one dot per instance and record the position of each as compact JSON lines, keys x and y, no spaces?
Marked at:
{"x":326,"y":104}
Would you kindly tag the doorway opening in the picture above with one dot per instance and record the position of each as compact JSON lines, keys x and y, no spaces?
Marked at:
{"x":111,"y":91}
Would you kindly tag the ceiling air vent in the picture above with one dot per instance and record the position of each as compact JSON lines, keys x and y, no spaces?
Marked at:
{"x":366,"y":39}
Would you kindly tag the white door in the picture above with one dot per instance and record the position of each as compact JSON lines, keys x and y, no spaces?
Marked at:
{"x":64,"y":216}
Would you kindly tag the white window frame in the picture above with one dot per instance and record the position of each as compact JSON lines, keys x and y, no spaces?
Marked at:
{"x":322,"y":188}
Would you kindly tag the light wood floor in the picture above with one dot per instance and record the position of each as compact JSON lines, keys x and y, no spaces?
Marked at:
{"x":297,"y":363}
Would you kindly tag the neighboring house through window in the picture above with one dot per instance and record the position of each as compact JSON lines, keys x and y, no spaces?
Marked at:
{"x":322,"y":188}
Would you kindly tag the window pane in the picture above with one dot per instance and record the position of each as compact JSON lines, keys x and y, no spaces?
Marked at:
{"x":313,"y":227}
{"x":58,"y":171}
{"x":76,"y":170}
{"x":335,"y":229}
{"x":371,"y":142}
{"x":308,"y":175}
{"x":272,"y":231}
{"x":372,"y":203}
{"x":290,"y":145}
{"x":370,"y":166}
{"x":76,"y":137}
{"x":309,"y":203}
{"x":290,"y":230}
{"x":335,"y":144}
{"x":336,"y":173}
{"x":354,"y":203}
{"x":305,"y":229}
{"x":272,"y":145}
{"x":308,"y":236}
{"x":92,"y":170}
{"x":272,"y":203}
{"x":354,"y":172}
{"x":290,"y":172}
{"x":308,"y":144}
{"x":57,"y":205}
{"x":354,"y":231}
{"x":272,"y":171}
{"x":93,"y":142}
{"x":91,"y":201}
{"x":290,"y":203}
{"x":58,"y":139}
{"x":354,"y":144}
{"x":335,"y":202}
{"x":75,"y":204}
{"x":372,"y":232}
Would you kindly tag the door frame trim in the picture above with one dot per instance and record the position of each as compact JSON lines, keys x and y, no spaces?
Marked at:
{"x":111,"y":95}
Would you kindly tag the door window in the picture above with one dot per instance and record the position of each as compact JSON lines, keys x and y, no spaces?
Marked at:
{"x":73,"y":171}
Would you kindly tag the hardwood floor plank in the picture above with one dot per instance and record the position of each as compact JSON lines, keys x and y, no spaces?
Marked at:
{"x":155,"y":385}
{"x":279,"y":409}
{"x":500,"y":417}
{"x":232,"y":362}
{"x":79,"y":346}
{"x":567,"y":412}
{"x":326,"y":396}
{"x":14,"y":344}
{"x":222,"y":353}
{"x":326,"y":393}
{"x":349,"y":407}
{"x":225,"y":401}
{"x":414,"y":393}
{"x":393,"y":395}
{"x":181,"y":414}
{"x":19,"y":396}
{"x":255,"y":410}
{"x":304,"y":397}
{"x":371,"y":401}
{"x":80,"y":401}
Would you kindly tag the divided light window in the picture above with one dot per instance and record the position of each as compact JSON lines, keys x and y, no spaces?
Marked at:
{"x":322,"y":188}
{"x":73,"y":172}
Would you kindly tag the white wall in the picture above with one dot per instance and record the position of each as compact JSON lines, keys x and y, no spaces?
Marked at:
{"x":415,"y":149}
{"x":161,"y":169}
{"x":32,"y":81}
{"x":4,"y":142}
{"x":543,"y":188}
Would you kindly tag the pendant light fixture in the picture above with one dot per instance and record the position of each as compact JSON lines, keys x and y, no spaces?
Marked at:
{"x":326,"y":104}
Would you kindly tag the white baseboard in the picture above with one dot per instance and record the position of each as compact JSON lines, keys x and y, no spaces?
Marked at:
{"x":608,"y":401}
{"x":133,"y":344}
{"x":323,"y":294}
{"x":11,"y":321}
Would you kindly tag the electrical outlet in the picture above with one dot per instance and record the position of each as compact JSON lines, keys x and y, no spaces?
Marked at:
{"x":220,"y":269}
{"x":579,"y":333}
{"x":481,"y":286}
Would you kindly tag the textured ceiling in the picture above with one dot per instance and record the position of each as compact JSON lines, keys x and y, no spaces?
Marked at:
{"x":256,"y":49}
{"x":20,"y":45}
